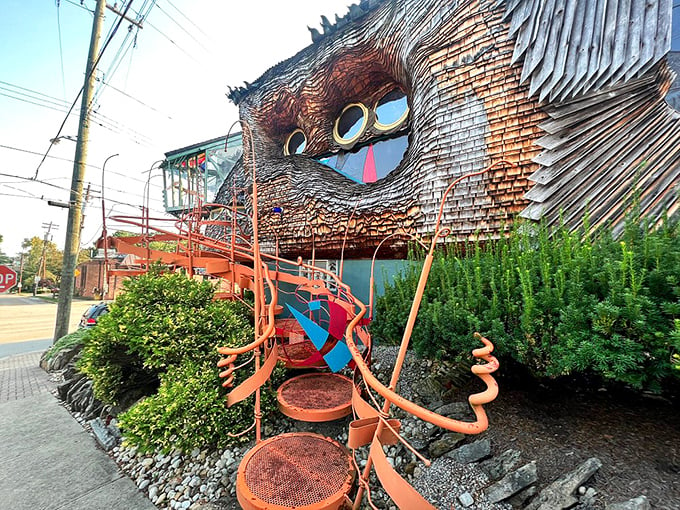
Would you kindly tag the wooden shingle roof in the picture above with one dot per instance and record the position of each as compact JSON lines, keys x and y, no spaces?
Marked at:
{"x":573,"y":47}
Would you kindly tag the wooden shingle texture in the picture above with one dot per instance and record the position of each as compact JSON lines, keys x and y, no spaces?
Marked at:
{"x":570,"y":91}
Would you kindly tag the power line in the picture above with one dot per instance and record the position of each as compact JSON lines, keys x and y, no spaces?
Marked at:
{"x":183,"y":29}
{"x":80,"y":5}
{"x":40,"y":154}
{"x":61,"y":51}
{"x":129,"y":42}
{"x":97,"y":118}
{"x":187,"y":18}
{"x":32,"y":102}
{"x":70,"y":161}
{"x":63,"y":188}
{"x":135,"y":99}
{"x":33,"y":91}
{"x":148,"y":23}
{"x":94,"y":66}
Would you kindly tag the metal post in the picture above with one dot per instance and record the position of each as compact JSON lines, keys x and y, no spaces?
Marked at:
{"x":72,"y":244}
{"x":105,"y":287}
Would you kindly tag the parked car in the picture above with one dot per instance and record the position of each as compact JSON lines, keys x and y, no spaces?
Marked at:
{"x":92,"y":314}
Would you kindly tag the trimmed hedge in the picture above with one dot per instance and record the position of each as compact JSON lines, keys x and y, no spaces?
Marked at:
{"x":552,"y":300}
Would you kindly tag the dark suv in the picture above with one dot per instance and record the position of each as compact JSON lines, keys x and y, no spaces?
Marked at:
{"x":92,"y":314}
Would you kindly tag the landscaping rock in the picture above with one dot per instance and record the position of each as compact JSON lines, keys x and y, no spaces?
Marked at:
{"x":444,"y":445}
{"x":60,"y":359}
{"x":455,"y":410}
{"x":500,"y":465}
{"x":512,"y":483}
{"x":471,"y":452}
{"x":106,"y":436}
{"x":466,"y":499}
{"x":639,"y":503}
{"x":559,"y":494}
{"x":519,"y":500}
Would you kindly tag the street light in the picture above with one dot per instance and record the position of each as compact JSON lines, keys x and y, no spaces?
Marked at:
{"x":55,"y":141}
{"x":146,"y":214}
{"x":105,"y":287}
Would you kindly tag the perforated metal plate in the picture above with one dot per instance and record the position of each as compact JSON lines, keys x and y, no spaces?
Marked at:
{"x":295,"y":471}
{"x":316,"y":397}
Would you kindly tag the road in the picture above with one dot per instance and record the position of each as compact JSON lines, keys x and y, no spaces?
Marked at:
{"x":27,"y":323}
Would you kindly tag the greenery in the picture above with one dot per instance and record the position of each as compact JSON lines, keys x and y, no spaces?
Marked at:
{"x":4,"y":259}
{"x":35,"y":249}
{"x":167,"y":246}
{"x":159,"y":342}
{"x":78,"y":337}
{"x":554,"y":301}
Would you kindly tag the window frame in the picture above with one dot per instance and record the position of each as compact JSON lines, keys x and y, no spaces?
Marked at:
{"x":348,"y":143}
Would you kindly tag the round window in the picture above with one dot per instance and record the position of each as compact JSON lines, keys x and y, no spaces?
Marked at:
{"x":391,"y":110}
{"x":351,"y":124}
{"x":296,"y":143}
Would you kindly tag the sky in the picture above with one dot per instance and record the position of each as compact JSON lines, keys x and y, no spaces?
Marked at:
{"x":159,"y":88}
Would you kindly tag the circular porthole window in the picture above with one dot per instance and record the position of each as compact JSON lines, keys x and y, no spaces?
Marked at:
{"x":351,"y":124}
{"x":295,"y":143}
{"x":391,"y":110}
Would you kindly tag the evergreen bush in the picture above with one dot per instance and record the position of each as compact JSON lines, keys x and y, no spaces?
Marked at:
{"x":557,"y":302}
{"x":159,"y":343}
{"x":78,"y":337}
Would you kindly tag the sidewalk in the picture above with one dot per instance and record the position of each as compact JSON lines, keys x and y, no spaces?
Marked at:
{"x":48,"y":460}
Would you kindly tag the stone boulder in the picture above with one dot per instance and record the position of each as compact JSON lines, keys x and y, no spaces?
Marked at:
{"x":472,"y":452}
{"x":445,"y":444}
{"x":639,"y":503}
{"x":61,"y":359}
{"x":500,"y":465}
{"x":560,"y":494}
{"x":512,"y":483}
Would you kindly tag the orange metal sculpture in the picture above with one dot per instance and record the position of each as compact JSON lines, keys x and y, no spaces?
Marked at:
{"x":306,"y":471}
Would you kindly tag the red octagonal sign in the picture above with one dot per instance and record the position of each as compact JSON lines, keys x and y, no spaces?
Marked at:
{"x":8,"y":278}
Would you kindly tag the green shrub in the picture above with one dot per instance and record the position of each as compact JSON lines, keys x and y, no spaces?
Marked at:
{"x":555,"y":302}
{"x":189,"y":411}
{"x":78,"y":337}
{"x":159,"y":341}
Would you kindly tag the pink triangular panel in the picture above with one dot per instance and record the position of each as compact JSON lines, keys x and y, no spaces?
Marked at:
{"x":370,"y":174}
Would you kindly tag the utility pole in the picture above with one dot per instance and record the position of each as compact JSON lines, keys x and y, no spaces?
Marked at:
{"x":72,"y":244}
{"x":86,"y":201}
{"x":21,"y":271}
{"x":43,"y":257}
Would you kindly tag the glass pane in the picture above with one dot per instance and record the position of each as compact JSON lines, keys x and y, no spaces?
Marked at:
{"x":391,"y":107}
{"x":350,"y":122}
{"x":349,"y":164}
{"x":176,"y":184}
{"x":219,"y":163}
{"x":297,"y":143}
{"x":388,"y":154}
{"x":675,"y":30}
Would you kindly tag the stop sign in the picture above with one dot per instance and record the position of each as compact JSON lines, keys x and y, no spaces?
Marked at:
{"x":8,"y":278}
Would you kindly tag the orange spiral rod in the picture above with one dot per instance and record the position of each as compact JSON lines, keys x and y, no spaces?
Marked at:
{"x":229,"y":372}
{"x":481,"y":422}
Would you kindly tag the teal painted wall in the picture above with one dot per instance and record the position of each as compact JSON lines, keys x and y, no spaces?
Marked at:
{"x":356,"y":274}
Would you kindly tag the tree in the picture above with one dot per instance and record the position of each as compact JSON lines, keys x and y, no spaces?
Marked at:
{"x":4,"y":259}
{"x":33,"y":261}
{"x":167,"y":246}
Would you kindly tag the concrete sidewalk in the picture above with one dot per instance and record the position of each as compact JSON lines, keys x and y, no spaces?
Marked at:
{"x":48,"y":460}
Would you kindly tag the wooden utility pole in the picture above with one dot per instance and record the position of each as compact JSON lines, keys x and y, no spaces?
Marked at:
{"x":72,"y":244}
{"x":43,"y":257}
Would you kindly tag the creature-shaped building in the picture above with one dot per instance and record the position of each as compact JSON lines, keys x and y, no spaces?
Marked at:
{"x":358,"y":135}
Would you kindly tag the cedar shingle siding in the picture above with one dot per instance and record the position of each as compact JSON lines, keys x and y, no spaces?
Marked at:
{"x":570,"y":91}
